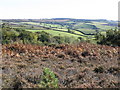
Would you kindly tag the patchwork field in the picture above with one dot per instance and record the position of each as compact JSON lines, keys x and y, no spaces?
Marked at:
{"x":78,"y":28}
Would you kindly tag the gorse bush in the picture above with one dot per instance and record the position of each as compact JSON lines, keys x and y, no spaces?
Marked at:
{"x":48,"y":79}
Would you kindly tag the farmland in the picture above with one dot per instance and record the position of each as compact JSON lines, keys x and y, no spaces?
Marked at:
{"x":79,"y":28}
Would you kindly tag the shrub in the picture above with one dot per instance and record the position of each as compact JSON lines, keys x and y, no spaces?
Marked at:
{"x":99,"y":69}
{"x":48,"y":79}
{"x":112,"y":38}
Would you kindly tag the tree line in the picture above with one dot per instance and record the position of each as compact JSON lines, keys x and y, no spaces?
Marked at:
{"x":13,"y":35}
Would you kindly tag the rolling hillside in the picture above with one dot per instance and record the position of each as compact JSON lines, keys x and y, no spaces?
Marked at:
{"x":59,"y":26}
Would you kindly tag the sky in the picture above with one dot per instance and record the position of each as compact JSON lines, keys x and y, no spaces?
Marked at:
{"x":79,"y":9}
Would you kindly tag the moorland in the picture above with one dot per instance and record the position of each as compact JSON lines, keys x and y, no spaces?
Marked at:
{"x":60,"y":53}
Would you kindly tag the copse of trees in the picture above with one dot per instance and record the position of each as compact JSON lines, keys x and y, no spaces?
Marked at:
{"x":111,"y":38}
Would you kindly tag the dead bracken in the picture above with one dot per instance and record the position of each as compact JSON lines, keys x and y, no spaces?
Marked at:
{"x":77,"y":66}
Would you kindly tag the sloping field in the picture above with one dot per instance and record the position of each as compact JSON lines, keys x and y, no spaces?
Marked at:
{"x":60,"y":26}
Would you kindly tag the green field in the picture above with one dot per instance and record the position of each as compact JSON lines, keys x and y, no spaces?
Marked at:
{"x":101,"y":26}
{"x":58,"y":27}
{"x":57,"y":33}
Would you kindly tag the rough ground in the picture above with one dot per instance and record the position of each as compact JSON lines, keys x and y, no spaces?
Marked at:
{"x":76,"y":66}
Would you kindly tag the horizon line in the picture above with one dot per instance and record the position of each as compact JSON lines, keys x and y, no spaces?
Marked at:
{"x":62,"y":18}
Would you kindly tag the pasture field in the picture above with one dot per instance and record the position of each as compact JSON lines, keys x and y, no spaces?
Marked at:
{"x":57,"y":33}
{"x":87,"y":31}
{"x":60,"y":27}
{"x":102,"y":26}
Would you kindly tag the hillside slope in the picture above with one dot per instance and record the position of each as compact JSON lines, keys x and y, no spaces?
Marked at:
{"x":76,"y":66}
{"x":78,"y":27}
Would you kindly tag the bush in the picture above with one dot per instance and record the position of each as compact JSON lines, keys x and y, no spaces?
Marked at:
{"x":99,"y":69}
{"x":112,"y":38}
{"x":48,"y":79}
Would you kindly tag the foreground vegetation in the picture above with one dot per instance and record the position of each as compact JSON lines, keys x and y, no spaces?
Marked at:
{"x":83,"y":65}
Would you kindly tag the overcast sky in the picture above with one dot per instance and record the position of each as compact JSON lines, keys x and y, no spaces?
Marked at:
{"x":36,"y":9}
